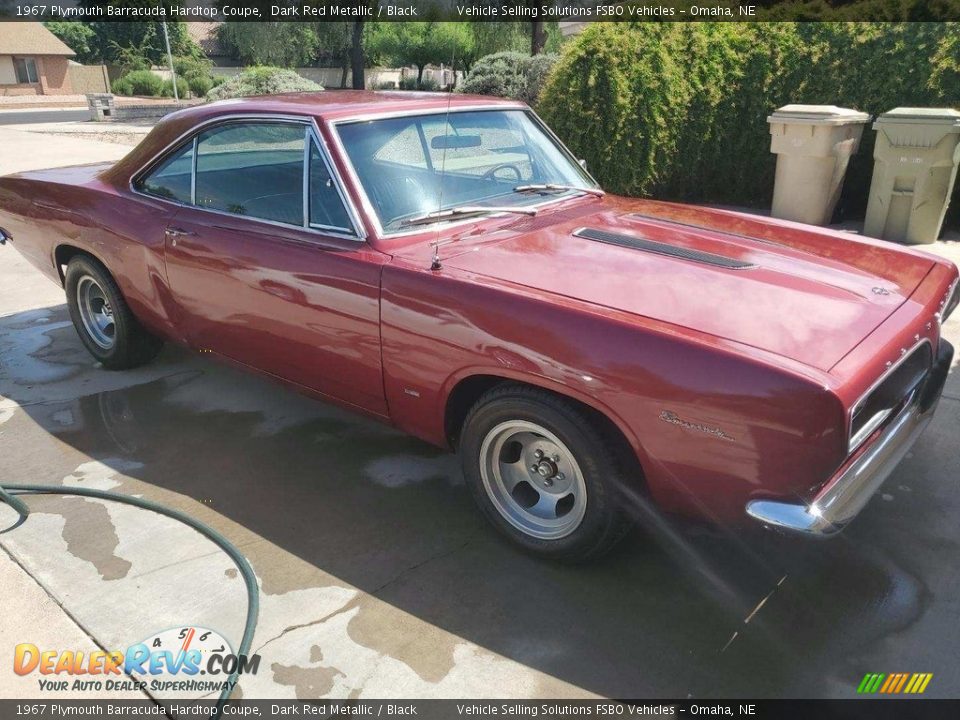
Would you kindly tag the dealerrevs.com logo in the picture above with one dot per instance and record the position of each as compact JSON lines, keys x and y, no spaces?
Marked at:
{"x":186,"y":659}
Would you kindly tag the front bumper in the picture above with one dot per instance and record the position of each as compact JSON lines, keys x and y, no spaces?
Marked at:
{"x":845,"y":495}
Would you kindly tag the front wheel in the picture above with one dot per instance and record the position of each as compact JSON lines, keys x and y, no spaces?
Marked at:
{"x":543,"y":474}
{"x":102,"y":318}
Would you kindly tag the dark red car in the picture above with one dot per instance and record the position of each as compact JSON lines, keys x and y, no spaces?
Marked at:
{"x":443,"y":263}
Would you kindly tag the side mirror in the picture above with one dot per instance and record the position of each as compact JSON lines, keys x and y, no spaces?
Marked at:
{"x":4,"y":236}
{"x":583,"y":163}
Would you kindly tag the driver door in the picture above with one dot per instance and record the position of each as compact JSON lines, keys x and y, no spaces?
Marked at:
{"x":268,"y":265}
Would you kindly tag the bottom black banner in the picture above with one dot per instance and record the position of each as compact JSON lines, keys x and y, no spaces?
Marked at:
{"x":867,"y":709}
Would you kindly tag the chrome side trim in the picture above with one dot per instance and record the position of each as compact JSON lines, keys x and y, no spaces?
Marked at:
{"x":364,"y":198}
{"x":357,"y":233}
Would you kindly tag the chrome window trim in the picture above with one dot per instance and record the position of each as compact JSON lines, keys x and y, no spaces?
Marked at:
{"x":860,"y":437}
{"x":314,"y":134}
{"x":368,"y":117}
{"x":193,"y":171}
{"x":305,"y":179}
{"x":357,"y":233}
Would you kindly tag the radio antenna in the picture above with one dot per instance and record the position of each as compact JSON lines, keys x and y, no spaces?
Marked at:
{"x":435,"y":263}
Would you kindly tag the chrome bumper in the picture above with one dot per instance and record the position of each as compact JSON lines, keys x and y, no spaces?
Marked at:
{"x":845,"y":495}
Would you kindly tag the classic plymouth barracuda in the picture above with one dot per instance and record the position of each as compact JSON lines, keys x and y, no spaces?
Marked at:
{"x":443,"y":263}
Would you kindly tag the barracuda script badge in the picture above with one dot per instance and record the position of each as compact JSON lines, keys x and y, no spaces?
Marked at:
{"x":672,"y":418}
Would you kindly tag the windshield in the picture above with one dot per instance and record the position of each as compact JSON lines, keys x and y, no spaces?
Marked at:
{"x":421,"y":164}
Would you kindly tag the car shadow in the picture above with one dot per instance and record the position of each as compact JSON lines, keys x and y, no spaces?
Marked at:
{"x":678,"y":610}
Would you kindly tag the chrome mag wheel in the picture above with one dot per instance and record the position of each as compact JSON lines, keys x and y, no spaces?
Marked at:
{"x":533,"y":479}
{"x":96,"y":313}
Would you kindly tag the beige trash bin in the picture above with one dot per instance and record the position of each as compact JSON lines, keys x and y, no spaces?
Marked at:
{"x":915,"y":166}
{"x":813,"y":145}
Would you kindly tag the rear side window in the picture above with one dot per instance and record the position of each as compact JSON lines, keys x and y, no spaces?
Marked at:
{"x":253,"y":169}
{"x":172,"y":180}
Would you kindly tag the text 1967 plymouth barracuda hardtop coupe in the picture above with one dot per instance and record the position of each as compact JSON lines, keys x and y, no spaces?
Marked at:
{"x":445,"y":264}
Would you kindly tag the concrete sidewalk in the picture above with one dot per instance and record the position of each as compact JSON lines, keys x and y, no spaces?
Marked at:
{"x":31,"y":616}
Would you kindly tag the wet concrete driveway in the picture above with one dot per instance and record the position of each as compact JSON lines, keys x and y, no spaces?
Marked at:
{"x":378,"y":578}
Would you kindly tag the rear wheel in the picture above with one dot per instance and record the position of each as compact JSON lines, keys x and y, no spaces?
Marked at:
{"x":543,"y":474}
{"x":103,"y":319}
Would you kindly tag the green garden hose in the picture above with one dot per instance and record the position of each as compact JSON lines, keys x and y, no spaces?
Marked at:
{"x":9,"y":493}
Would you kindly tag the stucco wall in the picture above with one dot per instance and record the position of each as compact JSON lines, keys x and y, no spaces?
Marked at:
{"x":53,"y":75}
{"x":88,"y":79}
{"x":52,"y":72}
{"x":8,"y":76}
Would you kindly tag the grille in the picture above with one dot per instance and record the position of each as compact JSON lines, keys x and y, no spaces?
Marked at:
{"x":890,"y":394}
{"x":637,"y":243}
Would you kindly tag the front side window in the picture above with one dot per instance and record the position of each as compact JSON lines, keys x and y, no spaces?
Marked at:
{"x":26,"y":69}
{"x":252,"y":169}
{"x":326,"y":206}
{"x":414,"y":165}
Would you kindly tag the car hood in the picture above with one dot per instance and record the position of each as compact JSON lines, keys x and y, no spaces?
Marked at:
{"x":801,"y":292}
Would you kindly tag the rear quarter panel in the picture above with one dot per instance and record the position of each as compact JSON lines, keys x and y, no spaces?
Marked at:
{"x":73,"y":208}
{"x":787,"y":426}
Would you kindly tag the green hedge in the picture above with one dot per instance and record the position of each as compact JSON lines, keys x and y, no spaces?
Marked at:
{"x":513,"y":75}
{"x":678,"y":110}
{"x":138,"y":82}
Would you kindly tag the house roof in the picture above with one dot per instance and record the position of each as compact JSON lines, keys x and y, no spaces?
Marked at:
{"x":30,"y":38}
{"x":204,"y":34}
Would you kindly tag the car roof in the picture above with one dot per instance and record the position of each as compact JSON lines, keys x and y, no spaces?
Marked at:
{"x":341,"y":104}
{"x":328,"y":105}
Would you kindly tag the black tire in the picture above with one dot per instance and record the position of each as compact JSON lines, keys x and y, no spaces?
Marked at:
{"x":132,"y":346}
{"x":604,"y":520}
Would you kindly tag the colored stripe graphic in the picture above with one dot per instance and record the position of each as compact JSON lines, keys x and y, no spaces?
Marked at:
{"x":894,"y":683}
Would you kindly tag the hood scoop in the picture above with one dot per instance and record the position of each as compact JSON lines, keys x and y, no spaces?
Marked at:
{"x":652,"y":246}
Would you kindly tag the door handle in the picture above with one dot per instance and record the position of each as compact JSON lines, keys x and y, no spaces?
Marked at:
{"x":174,"y":232}
{"x":177,"y":232}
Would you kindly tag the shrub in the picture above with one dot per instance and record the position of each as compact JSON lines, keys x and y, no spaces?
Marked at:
{"x":199,"y":85}
{"x":263,"y":81}
{"x":679,"y":110}
{"x":509,"y":74}
{"x":138,"y":82}
{"x":183,"y":88}
{"x":187,"y":66}
{"x":428,"y":84}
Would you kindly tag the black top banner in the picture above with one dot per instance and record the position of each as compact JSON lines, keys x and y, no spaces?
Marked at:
{"x":483,"y":10}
